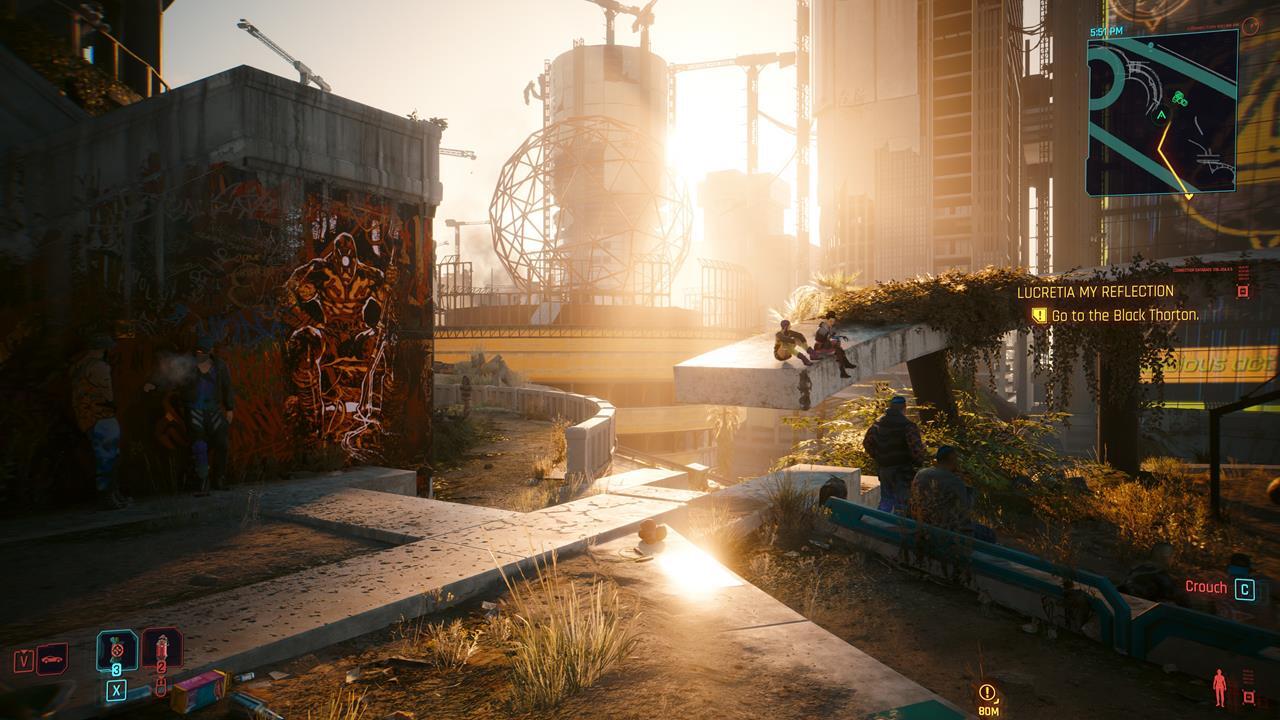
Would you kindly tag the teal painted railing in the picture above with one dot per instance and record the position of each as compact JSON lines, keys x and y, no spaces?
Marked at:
{"x":1163,"y":621}
{"x":1113,"y":612}
{"x":1137,"y":636}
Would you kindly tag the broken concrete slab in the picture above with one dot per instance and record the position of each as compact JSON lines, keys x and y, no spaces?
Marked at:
{"x":385,"y":517}
{"x":755,"y":493}
{"x":296,"y":490}
{"x":746,"y":374}
{"x":565,"y":528}
{"x":288,"y":616}
{"x":747,"y":627}
{"x":658,"y":492}
{"x":641,"y":476}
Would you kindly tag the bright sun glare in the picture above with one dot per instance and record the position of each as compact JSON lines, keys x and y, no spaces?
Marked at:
{"x":694,"y":572}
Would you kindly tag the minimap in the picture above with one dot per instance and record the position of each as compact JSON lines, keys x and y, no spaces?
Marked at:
{"x":1162,"y":114}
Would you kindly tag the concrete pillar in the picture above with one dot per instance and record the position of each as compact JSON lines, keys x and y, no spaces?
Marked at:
{"x":1117,"y":439}
{"x":931,"y":383}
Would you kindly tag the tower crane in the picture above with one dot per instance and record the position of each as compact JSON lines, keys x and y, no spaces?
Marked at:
{"x":752,"y":64}
{"x":643,"y":19}
{"x":306,"y":76}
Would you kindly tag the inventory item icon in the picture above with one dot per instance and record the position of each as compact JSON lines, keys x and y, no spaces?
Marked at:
{"x":1040,"y":315}
{"x":51,"y":659}
{"x":117,"y":648}
{"x":170,"y":650}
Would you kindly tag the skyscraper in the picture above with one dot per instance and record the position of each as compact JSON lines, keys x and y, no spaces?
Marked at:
{"x":918,"y":114}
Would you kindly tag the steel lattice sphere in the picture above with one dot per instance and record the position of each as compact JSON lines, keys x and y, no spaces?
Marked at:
{"x":588,"y":204}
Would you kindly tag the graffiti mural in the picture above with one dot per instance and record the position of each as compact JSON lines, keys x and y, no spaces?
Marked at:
{"x":299,"y":285}
{"x":341,"y":319}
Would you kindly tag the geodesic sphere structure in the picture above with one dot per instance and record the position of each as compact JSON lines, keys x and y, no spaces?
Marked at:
{"x":588,"y":205}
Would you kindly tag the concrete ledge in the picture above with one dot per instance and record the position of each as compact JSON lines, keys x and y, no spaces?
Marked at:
{"x":388,"y":518}
{"x":754,"y":494}
{"x":746,"y":374}
{"x":281,"y":494}
{"x":754,"y":634}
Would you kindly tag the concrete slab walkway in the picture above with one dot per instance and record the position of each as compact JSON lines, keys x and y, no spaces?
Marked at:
{"x":734,"y":626}
{"x":447,"y":553}
{"x":746,"y":374}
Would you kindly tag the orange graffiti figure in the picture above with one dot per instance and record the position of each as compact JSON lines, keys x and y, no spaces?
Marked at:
{"x":338,"y":339}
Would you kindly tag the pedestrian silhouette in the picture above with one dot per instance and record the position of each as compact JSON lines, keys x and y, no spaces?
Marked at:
{"x":1220,"y":689}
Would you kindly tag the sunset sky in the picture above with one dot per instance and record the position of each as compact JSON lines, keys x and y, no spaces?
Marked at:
{"x":468,"y":61}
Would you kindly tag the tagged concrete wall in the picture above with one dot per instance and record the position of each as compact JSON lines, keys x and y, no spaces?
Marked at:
{"x":290,"y":227}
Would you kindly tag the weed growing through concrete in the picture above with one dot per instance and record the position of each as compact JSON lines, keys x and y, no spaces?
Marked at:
{"x":565,"y":636}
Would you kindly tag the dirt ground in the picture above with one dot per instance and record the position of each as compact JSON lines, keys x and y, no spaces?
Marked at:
{"x":671,"y":674}
{"x":1251,"y":526}
{"x":113,"y":571}
{"x":945,"y":639}
{"x":939,"y":636}
{"x":496,"y":471}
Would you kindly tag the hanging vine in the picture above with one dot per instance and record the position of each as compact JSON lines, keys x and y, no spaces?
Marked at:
{"x":976,"y":310}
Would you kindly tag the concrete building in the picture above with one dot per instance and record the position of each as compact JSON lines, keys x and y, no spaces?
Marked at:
{"x":742,"y":216}
{"x":289,"y":227}
{"x":916,"y":106}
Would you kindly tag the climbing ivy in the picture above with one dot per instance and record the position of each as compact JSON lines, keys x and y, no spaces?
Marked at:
{"x":977,"y":309}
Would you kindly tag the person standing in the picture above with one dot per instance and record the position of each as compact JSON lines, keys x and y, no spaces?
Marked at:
{"x":93,"y":403}
{"x":210,"y":407}
{"x":894,"y":442}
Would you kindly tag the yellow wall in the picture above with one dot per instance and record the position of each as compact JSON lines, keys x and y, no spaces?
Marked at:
{"x":582,"y":359}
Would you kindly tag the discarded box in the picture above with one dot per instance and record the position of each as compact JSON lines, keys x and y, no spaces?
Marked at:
{"x":197,"y":692}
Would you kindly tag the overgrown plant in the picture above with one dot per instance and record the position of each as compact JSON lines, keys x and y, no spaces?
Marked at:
{"x":346,"y":704}
{"x":565,"y":636}
{"x":447,"y":645}
{"x":977,"y":309}
{"x":993,"y":451}
{"x":791,"y":512}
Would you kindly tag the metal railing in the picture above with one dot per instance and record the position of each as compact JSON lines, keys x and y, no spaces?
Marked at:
{"x":1114,"y":615}
{"x":154,"y":84}
{"x":1136,"y":635}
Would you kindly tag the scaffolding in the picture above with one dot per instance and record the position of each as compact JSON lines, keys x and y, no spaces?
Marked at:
{"x":586,"y":207}
{"x":727,"y":298}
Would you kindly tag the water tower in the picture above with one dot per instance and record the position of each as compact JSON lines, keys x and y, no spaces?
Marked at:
{"x":586,"y":208}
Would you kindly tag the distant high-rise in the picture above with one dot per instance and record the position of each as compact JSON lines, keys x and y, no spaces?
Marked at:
{"x":918,"y":133}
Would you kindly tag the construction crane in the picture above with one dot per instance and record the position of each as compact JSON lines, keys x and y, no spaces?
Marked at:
{"x":305,"y":76}
{"x":643,"y":19}
{"x":752,"y":64}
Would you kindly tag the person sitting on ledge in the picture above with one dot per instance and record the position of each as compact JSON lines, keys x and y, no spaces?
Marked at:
{"x":827,"y":342}
{"x":785,"y":342}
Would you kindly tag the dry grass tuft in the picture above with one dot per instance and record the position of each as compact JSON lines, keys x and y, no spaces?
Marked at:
{"x":346,"y":704}
{"x":792,"y":511}
{"x":565,"y":636}
{"x":446,"y":645}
